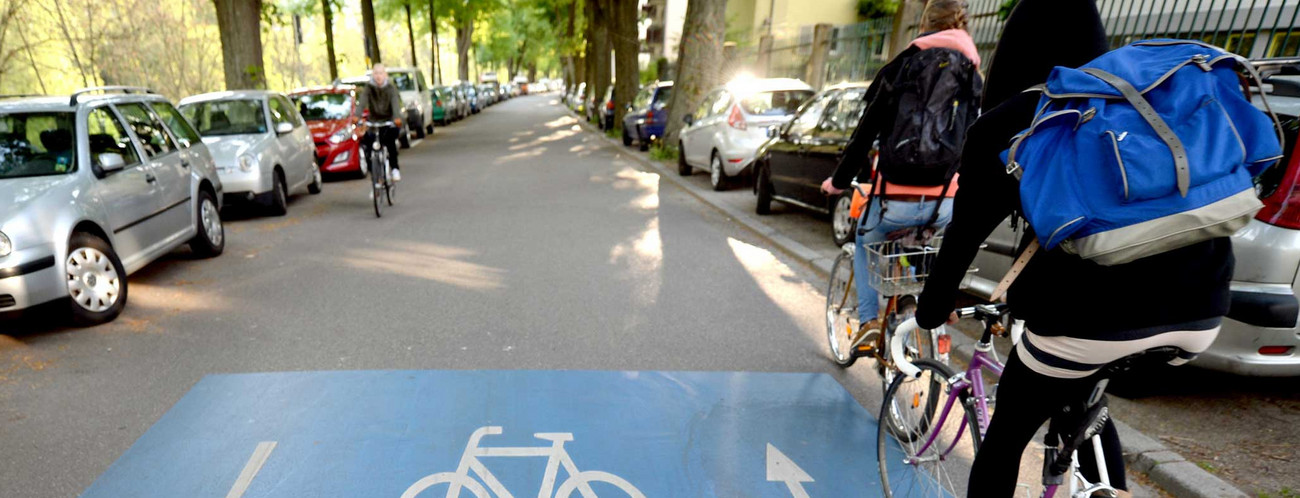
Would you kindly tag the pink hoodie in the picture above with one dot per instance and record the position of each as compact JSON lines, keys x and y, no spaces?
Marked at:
{"x":959,"y":40}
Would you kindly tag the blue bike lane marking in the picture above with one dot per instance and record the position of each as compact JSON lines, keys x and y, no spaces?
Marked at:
{"x":412,"y":433}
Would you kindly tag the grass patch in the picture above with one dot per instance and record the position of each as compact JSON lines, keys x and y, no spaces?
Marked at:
{"x":661,"y":152}
{"x":1206,"y":465}
{"x":613,"y":133}
{"x":1281,"y":493}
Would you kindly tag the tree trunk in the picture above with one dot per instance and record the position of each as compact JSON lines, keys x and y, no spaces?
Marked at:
{"x":371,"y":39}
{"x":328,"y":11}
{"x":464,"y":33}
{"x":433,"y":31}
{"x":410,"y":33}
{"x":241,"y":43}
{"x":698,"y":59}
{"x":598,"y":48}
{"x":626,"y":50}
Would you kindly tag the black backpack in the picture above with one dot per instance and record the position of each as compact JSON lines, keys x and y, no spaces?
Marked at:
{"x":937,"y":94}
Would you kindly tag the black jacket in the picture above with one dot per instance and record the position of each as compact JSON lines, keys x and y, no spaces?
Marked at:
{"x":878,"y":118}
{"x":384,"y":103}
{"x":1059,"y":293}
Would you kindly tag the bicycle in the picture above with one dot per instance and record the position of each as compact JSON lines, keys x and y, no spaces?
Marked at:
{"x":556,"y":457}
{"x":382,"y":187}
{"x":921,"y":471}
{"x":898,"y":267}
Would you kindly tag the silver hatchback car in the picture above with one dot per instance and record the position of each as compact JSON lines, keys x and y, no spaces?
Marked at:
{"x":93,"y":187}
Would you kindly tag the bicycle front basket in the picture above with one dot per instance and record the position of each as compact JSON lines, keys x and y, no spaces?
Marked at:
{"x":896,"y":267}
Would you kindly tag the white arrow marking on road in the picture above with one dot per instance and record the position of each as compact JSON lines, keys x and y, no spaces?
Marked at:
{"x":781,"y":468}
{"x":255,"y":462}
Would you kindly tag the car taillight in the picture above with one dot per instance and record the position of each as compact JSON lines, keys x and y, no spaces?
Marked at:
{"x":1283,"y":207}
{"x":736,"y":119}
{"x":1275,"y":350}
{"x":437,"y":103}
{"x":609,"y":105}
{"x":649,"y":115}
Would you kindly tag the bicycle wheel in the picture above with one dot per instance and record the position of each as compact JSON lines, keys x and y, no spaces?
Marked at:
{"x":841,"y":311}
{"x":931,"y":459}
{"x":917,"y":345}
{"x":377,"y":187}
{"x":390,"y":192}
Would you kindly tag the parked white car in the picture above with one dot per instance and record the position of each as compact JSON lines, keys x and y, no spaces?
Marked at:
{"x":723,"y":134}
{"x":94,"y":187}
{"x":261,"y":145}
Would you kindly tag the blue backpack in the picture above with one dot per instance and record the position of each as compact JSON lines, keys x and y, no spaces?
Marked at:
{"x":1148,"y":148}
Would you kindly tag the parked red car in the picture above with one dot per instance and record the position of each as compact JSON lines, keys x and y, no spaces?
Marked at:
{"x":337,"y":134}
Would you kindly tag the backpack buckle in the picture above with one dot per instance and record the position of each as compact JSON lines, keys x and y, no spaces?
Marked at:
{"x":1012,"y":167}
{"x":1203,"y":61}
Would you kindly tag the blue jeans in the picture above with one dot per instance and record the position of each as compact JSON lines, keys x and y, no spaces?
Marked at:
{"x":897,"y":216}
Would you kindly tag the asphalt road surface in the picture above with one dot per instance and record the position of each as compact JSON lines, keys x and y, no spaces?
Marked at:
{"x":519,"y":242}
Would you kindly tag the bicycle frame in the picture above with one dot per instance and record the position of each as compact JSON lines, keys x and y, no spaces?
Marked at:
{"x":982,"y":359}
{"x":555,"y":454}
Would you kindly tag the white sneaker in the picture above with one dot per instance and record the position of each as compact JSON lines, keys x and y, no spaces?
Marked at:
{"x":397,"y":175}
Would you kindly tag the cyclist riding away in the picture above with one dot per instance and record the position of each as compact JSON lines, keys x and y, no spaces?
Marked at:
{"x":1174,"y":298}
{"x":384,"y":103}
{"x":936,"y":79}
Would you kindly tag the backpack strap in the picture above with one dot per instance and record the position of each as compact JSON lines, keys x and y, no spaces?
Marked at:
{"x":1152,"y":118}
{"x":1001,"y":290}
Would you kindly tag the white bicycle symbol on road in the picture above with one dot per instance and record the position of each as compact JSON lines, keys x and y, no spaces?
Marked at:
{"x":556,"y":457}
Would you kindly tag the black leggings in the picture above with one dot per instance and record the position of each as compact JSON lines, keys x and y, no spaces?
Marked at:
{"x":1025,"y":400}
{"x":388,"y":138}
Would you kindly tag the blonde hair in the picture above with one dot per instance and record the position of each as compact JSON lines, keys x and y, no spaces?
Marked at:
{"x":941,"y":15}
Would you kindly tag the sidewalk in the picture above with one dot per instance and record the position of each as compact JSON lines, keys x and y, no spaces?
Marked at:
{"x":806,"y":237}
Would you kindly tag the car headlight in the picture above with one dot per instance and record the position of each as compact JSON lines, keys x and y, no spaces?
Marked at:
{"x":246,"y":163}
{"x":340,"y":136}
{"x":6,"y":247}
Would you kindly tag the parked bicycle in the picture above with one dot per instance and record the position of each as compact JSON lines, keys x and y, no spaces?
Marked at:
{"x":383,"y":189}
{"x":931,"y":460}
{"x":897,"y":269}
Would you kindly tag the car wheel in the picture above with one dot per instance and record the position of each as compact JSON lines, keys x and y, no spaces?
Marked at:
{"x":419,"y":129}
{"x":763,"y":190}
{"x":210,"y":235}
{"x":842,"y":221}
{"x":428,"y":128}
{"x":682,"y":168}
{"x":627,"y":139}
{"x":316,"y":181}
{"x":643,"y":145}
{"x":717,"y":177}
{"x":96,"y":281}
{"x":277,"y":200}
{"x":405,"y":139}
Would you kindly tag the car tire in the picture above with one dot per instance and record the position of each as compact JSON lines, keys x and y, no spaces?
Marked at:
{"x":209,"y":233}
{"x":428,"y":128}
{"x":643,"y":145}
{"x":405,"y":138}
{"x":84,"y":250}
{"x":682,"y":168}
{"x":627,"y":139}
{"x":419,"y":129}
{"x":277,"y":200}
{"x":314,"y":188}
{"x":763,"y":190}
{"x":717,"y":176}
{"x":843,"y":225}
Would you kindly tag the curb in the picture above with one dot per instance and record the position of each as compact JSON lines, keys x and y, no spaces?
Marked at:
{"x":1143,"y":454}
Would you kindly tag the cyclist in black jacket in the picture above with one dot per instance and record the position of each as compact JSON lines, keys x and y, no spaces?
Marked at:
{"x":1177,"y":298}
{"x":384,"y":102}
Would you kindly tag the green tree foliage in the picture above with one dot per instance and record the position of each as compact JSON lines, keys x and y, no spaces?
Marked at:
{"x":874,"y":9}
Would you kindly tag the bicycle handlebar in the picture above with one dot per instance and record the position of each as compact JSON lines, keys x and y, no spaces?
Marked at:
{"x":381,"y":124}
{"x":984,"y":312}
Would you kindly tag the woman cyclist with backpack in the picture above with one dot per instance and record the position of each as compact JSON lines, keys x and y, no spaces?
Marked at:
{"x":919,"y":106}
{"x":1175,"y":298}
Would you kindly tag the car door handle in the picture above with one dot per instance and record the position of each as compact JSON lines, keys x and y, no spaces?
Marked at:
{"x":185,"y":164}
{"x":150,"y":178}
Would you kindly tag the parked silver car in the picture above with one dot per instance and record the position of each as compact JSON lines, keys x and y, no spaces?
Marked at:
{"x":94,"y":187}
{"x":261,"y":145}
{"x":1260,"y":336}
{"x":723,"y":134}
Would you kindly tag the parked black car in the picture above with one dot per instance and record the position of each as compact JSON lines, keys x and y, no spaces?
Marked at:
{"x":805,"y":151}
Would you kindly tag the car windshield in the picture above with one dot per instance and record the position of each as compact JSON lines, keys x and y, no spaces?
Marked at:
{"x":37,"y":144}
{"x":324,"y":106}
{"x":403,"y":81}
{"x":226,"y":117}
{"x":776,"y":103}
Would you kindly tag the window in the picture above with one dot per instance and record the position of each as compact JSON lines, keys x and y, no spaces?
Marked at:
{"x":180,"y":128}
{"x":279,"y":113}
{"x":661,"y":97}
{"x":642,"y":99}
{"x":226,"y":117}
{"x":778,"y":103}
{"x":1240,"y":44}
{"x":706,"y":104}
{"x":403,"y":81}
{"x":720,"y":104}
{"x":419,"y":78}
{"x":156,"y":142}
{"x":324,"y":106}
{"x":842,"y":117}
{"x":37,"y":144}
{"x":811,"y":113}
{"x":107,"y":136}
{"x":1285,"y":44}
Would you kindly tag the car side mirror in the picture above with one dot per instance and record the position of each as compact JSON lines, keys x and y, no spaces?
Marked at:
{"x":111,"y":161}
{"x":283,"y":128}
{"x":688,"y":119}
